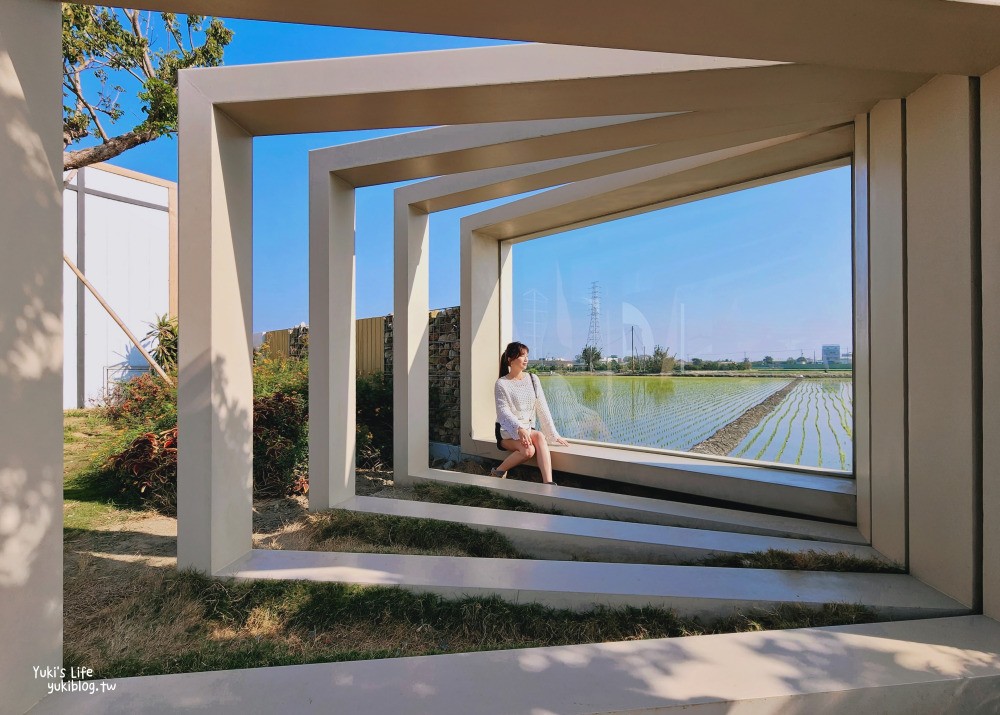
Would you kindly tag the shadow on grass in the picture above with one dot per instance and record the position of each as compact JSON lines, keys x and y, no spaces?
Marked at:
{"x":392,"y":533}
{"x":165,"y":621}
{"x":468,"y":495}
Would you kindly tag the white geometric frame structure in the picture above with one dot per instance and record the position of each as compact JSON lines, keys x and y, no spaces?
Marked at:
{"x":486,"y":322}
{"x":332,"y":389}
{"x":430,"y":152}
{"x":222,"y":108}
{"x":951,"y":124}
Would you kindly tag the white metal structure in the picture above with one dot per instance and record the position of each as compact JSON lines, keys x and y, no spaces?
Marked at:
{"x":120,"y":229}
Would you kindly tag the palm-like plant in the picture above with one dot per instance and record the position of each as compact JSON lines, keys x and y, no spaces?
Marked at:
{"x":164,"y":332}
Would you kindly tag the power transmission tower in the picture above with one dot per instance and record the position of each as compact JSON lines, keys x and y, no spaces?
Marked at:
{"x":594,"y":334}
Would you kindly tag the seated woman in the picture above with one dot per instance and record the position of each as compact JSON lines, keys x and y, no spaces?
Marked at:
{"x":520,"y":399}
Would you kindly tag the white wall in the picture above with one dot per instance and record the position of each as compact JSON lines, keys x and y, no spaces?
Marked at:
{"x":127,"y":258}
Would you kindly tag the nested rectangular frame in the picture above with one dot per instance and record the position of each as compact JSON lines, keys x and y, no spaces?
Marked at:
{"x":412,"y":205}
{"x":414,"y":202}
{"x":487,"y":237}
{"x":33,"y":201}
{"x":222,"y":109}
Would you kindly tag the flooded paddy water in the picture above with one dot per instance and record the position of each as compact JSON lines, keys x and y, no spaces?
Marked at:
{"x":811,"y":425}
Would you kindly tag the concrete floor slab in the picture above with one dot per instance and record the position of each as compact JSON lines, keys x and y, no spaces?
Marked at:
{"x":690,"y":590}
{"x":799,"y":491}
{"x":929,"y":667}
{"x":572,"y":537}
{"x":592,"y":503}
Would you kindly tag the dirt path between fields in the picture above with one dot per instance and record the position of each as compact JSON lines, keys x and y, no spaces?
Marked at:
{"x":729,"y":437}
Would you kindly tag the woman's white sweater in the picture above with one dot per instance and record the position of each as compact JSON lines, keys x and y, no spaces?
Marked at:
{"x":517,"y":406}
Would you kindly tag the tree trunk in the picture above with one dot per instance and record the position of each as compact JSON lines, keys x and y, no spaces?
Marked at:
{"x":108,"y":150}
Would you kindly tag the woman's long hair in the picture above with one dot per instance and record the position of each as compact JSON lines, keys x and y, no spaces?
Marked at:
{"x":511,"y":352}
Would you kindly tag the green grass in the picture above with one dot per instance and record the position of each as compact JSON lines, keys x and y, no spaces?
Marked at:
{"x":129,"y":620}
{"x":399,"y":533}
{"x":227,"y":624}
{"x":467,"y":495}
{"x":89,"y":501}
{"x":799,"y":561}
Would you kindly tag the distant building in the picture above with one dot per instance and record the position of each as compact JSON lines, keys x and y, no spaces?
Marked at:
{"x":831,"y":355}
{"x":555,"y":363}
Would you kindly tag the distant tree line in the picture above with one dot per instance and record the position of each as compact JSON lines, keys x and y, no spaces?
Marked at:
{"x":660,"y":361}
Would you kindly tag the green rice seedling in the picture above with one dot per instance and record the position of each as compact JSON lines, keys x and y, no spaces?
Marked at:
{"x":836,"y":439}
{"x":791,"y":425}
{"x":787,"y":403}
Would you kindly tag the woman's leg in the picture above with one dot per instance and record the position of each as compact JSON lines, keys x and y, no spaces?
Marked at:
{"x":519,"y":454}
{"x":543,"y":458}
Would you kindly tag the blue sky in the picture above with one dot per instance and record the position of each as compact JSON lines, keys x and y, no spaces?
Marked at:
{"x":780,"y":254}
{"x":766,"y":271}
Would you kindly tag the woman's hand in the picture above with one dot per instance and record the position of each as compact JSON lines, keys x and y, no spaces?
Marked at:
{"x":561,"y":442}
{"x":524,"y":436}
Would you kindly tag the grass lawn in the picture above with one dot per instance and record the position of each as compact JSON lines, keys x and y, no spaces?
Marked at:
{"x":127,"y":610}
{"x":87,"y":439}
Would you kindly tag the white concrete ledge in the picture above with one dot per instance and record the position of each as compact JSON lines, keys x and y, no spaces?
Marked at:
{"x":949,"y":665}
{"x":588,"y":502}
{"x":551,"y":536}
{"x":827,"y":497}
{"x":689,"y":590}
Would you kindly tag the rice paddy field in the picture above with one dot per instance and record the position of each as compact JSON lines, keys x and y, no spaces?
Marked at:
{"x":811,"y":426}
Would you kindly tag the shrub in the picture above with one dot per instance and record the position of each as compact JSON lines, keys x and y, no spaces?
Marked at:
{"x":144,"y":402}
{"x":288,"y":375}
{"x":374,"y":431}
{"x":280,"y":444}
{"x":147,"y":469}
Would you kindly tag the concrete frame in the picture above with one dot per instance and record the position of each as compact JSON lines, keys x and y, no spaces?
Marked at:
{"x":926,"y":36}
{"x":374,"y":161}
{"x":223,"y":108}
{"x":31,"y":349}
{"x":628,"y":189}
{"x":486,"y":281}
{"x":944,"y":409}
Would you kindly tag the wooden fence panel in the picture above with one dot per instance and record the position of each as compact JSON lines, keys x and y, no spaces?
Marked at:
{"x":278,"y":343}
{"x":370,"y":346}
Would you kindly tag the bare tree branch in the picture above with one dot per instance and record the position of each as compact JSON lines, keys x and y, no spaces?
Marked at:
{"x":81,"y":101}
{"x":147,"y":62}
{"x":108,"y":150}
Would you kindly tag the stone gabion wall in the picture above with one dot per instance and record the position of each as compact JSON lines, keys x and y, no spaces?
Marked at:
{"x":445,"y":395}
{"x":387,"y":344}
